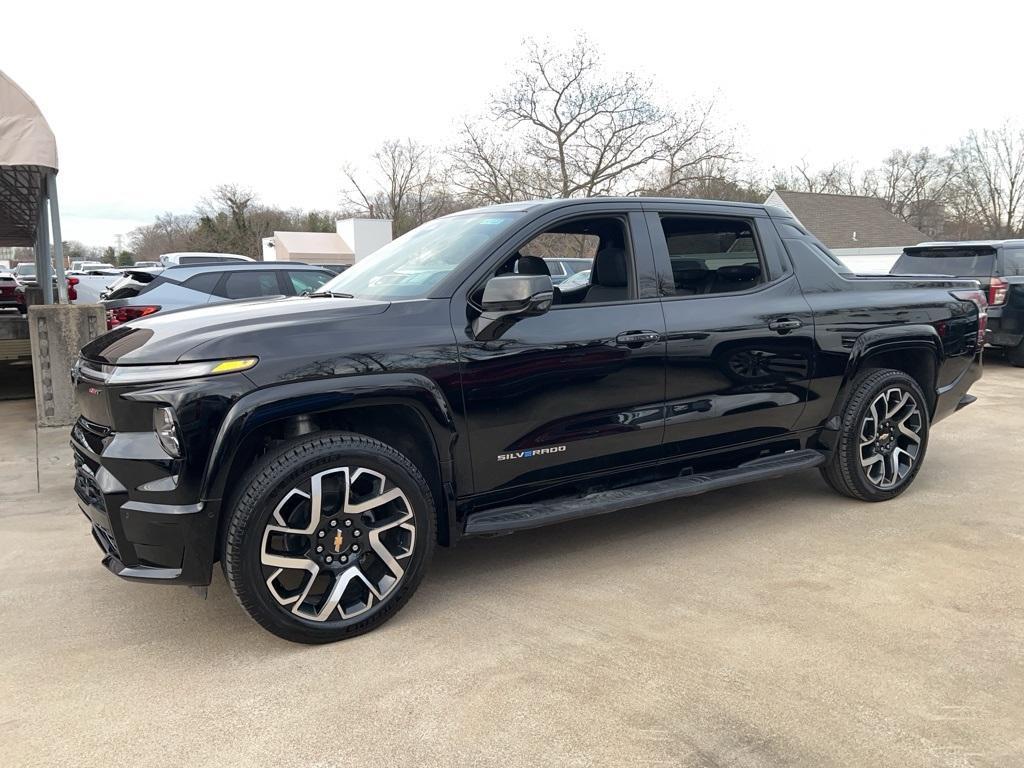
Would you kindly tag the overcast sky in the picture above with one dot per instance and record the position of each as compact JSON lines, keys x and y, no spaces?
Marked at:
{"x":153,"y":104}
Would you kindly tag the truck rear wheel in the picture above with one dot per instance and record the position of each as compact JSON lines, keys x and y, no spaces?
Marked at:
{"x":883,"y":436}
{"x":329,"y":537}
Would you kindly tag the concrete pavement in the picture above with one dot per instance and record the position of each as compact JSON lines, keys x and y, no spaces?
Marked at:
{"x":768,"y":625}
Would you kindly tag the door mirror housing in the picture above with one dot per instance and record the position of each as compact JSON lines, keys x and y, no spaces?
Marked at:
{"x":524,"y":295}
{"x":507,"y":299}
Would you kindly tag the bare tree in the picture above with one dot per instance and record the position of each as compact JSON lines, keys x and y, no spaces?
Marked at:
{"x":168,"y":233}
{"x":405,"y":186}
{"x":487,"y":169}
{"x":914,"y":186}
{"x":989,"y":183}
{"x":710,"y":178}
{"x":836,"y":179}
{"x":565,"y":128}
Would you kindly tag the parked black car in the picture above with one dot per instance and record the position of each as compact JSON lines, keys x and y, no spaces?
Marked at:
{"x":998,"y":265}
{"x":320,"y":446}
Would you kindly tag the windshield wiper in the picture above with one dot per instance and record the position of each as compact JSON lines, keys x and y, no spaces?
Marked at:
{"x":331,"y":295}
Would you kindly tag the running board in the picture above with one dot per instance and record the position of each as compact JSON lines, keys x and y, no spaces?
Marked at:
{"x":517,"y":517}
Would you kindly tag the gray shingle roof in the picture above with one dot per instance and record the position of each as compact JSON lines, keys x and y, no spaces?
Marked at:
{"x":848,"y":221}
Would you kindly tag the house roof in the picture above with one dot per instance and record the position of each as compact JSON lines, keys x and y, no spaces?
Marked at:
{"x":848,"y":221}
{"x":313,"y":244}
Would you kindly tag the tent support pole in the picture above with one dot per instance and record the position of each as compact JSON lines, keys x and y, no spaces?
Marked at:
{"x":44,"y":275}
{"x":58,"y":245}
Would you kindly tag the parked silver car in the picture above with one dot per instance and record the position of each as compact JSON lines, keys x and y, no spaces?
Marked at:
{"x":180,"y":287}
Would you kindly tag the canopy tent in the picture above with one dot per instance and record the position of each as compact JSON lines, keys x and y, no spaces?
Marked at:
{"x":28,"y":184}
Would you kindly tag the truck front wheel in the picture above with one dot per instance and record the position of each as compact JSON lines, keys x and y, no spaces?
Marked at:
{"x":882,"y":437}
{"x":328,"y":537}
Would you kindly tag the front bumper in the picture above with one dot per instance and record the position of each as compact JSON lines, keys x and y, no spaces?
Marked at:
{"x":141,"y":541}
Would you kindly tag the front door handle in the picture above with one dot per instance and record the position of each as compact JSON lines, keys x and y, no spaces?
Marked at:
{"x":637,"y":338}
{"x":785,"y":325}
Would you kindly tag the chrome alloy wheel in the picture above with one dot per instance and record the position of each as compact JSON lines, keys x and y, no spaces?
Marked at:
{"x":890,"y":437}
{"x":335,"y":545}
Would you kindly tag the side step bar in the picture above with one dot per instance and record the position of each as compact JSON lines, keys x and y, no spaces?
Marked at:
{"x":517,"y":517}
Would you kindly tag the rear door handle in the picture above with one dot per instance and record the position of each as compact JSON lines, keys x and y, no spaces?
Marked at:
{"x":784,"y":325}
{"x":637,"y":338}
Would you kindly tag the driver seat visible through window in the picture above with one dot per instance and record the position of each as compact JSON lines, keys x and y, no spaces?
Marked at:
{"x":609,"y":278}
{"x":600,"y":240}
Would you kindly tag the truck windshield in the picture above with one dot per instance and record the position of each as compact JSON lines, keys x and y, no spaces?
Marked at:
{"x":409,"y":267}
{"x":958,"y":262}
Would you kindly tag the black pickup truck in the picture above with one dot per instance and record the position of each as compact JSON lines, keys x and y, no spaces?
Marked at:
{"x":997,"y":265}
{"x":320,"y":446}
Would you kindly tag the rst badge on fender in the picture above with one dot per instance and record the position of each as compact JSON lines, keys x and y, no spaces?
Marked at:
{"x":529,"y":453}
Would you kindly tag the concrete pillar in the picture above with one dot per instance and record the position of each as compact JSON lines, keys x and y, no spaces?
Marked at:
{"x":33,"y":295}
{"x":57,"y":332}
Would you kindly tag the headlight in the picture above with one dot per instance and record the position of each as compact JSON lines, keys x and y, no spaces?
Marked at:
{"x":166,"y":427}
{"x":137,"y":374}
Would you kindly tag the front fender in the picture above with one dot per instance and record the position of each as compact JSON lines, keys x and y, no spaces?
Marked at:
{"x":263,"y":406}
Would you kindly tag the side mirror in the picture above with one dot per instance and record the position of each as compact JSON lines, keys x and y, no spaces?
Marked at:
{"x":524,"y":295}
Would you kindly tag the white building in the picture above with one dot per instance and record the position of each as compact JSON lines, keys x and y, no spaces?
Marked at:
{"x":857,"y":229}
{"x":352,"y":240}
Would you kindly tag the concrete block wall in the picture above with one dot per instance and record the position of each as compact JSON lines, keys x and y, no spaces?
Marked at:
{"x":57,"y":333}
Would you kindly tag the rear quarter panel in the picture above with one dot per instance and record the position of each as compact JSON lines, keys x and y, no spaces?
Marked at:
{"x":857,"y":317}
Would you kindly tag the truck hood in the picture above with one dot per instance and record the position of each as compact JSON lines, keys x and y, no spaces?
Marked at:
{"x":230,"y":329}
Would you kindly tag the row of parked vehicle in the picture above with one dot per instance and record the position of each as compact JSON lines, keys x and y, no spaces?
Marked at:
{"x":177,"y":281}
{"x":180,"y":280}
{"x":997,"y":265}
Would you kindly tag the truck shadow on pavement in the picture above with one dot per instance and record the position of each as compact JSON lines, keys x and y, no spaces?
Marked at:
{"x":681,"y":524}
{"x":477,"y":569}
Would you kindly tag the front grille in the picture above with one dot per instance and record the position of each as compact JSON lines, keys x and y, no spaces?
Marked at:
{"x":97,"y":429}
{"x":105,"y":540}
{"x":89,"y":492}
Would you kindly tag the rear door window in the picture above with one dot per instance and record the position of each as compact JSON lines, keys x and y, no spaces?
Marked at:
{"x":249,"y":285}
{"x":1013,"y":261}
{"x":956,"y":262}
{"x":711,"y":255}
{"x":204,"y":282}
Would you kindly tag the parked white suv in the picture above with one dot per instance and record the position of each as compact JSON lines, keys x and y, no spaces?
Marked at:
{"x":86,"y":266}
{"x":194,"y":258}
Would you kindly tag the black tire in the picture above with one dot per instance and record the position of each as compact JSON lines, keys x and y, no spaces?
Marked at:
{"x":278,"y":479}
{"x":845,"y":470}
{"x":1016,"y":355}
